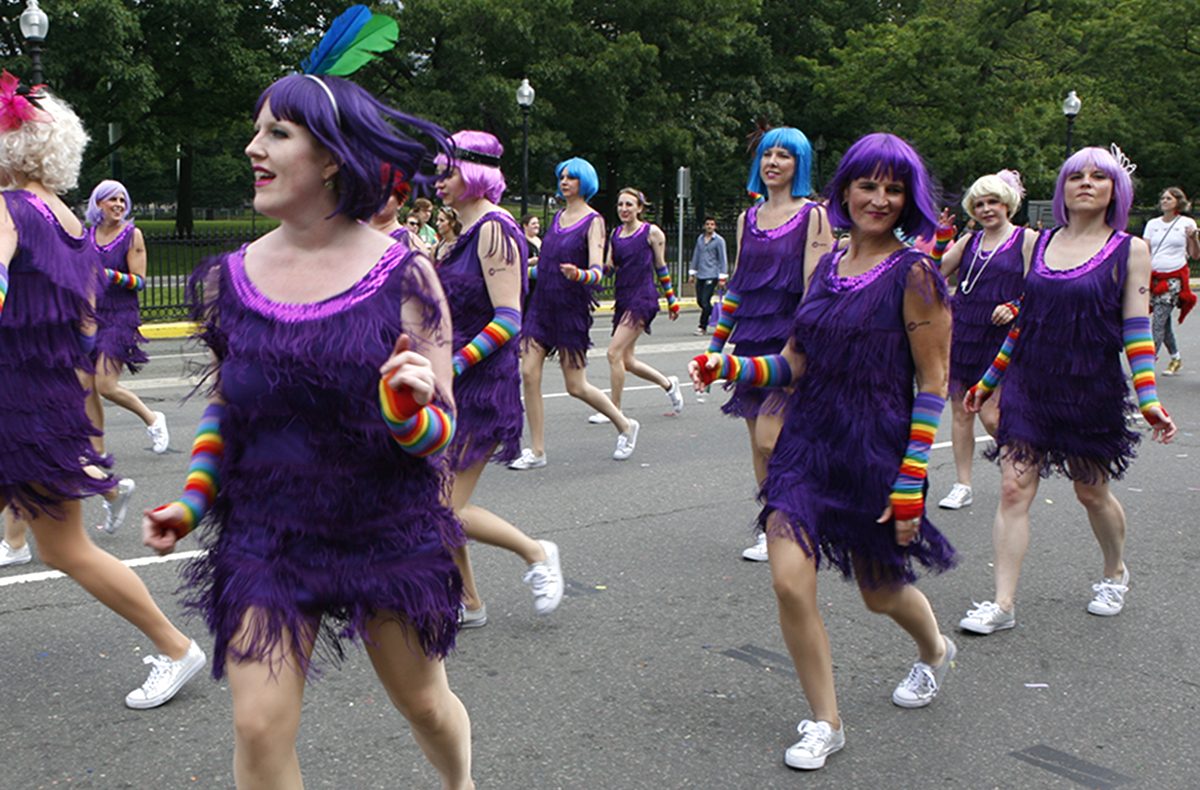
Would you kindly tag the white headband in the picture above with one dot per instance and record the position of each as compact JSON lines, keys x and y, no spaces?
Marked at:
{"x":337,"y":116}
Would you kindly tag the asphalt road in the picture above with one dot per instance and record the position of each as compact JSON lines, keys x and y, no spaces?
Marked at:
{"x":664,"y":666}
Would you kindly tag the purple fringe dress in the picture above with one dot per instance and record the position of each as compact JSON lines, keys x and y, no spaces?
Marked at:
{"x":770,"y":281}
{"x":560,"y":311}
{"x":487,"y":396}
{"x":118,"y":336}
{"x":319,"y":514}
{"x":1065,"y":395}
{"x":983,"y":283}
{"x":847,"y":424}
{"x":634,"y":283}
{"x":400,"y":234}
{"x":44,"y":430}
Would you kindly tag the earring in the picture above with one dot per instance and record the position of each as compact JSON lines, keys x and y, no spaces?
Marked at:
{"x":330,"y":184}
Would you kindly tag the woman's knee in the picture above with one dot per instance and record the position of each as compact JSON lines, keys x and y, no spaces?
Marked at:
{"x":878,"y":601}
{"x":261,"y":730}
{"x":575,"y":382}
{"x":422,"y":708}
{"x":1092,"y":495}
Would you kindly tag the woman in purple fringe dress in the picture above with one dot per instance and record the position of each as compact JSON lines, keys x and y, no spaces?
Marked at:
{"x":637,"y":254}
{"x":1065,"y":399}
{"x":560,"y":312}
{"x":845,"y":484}
{"x":47,"y":326}
{"x":777,"y":241}
{"x":990,"y":278}
{"x":483,"y":277}
{"x":122,"y":251}
{"x":328,"y":525}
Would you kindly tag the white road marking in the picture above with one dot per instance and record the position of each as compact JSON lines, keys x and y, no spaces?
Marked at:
{"x":136,"y":562}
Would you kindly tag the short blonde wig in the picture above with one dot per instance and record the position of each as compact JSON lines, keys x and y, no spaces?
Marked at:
{"x":49,"y":152}
{"x":997,"y":185}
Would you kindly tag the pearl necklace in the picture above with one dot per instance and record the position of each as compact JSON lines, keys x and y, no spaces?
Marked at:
{"x":968,"y":283}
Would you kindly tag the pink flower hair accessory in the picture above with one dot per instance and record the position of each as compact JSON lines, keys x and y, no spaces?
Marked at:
{"x":17,"y":105}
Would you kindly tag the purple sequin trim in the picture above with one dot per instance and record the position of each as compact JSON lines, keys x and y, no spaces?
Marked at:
{"x":126,"y":229}
{"x":1039,"y":257}
{"x":842,"y":284}
{"x":48,"y":213}
{"x":312,"y":311}
{"x":782,"y":230}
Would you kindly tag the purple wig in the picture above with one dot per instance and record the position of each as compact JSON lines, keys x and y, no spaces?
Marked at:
{"x":1117,"y":215}
{"x":103,"y":191}
{"x":482,"y":179}
{"x":359,"y":133}
{"x":886,"y":154}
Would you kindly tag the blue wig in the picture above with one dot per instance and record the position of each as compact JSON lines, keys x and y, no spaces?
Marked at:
{"x":886,"y":154}
{"x":795,"y":142}
{"x":577,"y":167}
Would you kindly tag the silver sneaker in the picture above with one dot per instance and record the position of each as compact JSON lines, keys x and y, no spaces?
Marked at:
{"x":626,"y":442}
{"x":757,"y":552}
{"x":160,"y":437}
{"x":598,"y":419}
{"x":675,"y":394}
{"x":545,"y":580}
{"x":817,"y":741}
{"x":1109,"y":598}
{"x":11,"y":556}
{"x":987,"y":617}
{"x":528,"y":460}
{"x":472,"y":618}
{"x":166,"y":678}
{"x":924,"y":681}
{"x":116,"y":511}
{"x":958,"y":498}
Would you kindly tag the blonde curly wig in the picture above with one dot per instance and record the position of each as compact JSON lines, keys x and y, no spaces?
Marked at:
{"x":48,"y":152}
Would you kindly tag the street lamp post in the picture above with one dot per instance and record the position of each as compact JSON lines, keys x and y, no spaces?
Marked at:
{"x":34,"y":27}
{"x":525,"y":94}
{"x":1070,"y":108}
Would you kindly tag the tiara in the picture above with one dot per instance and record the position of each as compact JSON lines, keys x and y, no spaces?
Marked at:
{"x":1122,"y":160}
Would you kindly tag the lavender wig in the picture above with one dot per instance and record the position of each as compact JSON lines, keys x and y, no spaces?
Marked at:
{"x":359,"y":133}
{"x":794,"y":141}
{"x":481,"y":180}
{"x":888,"y":155}
{"x":577,"y":167}
{"x":1117,"y":215}
{"x":103,"y":191}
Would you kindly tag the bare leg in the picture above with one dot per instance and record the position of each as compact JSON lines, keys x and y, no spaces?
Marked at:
{"x":418,"y":688}
{"x":794,"y":579}
{"x":108,"y":383}
{"x":1010,"y":531}
{"x":579,"y":387}
{"x":267,"y":697}
{"x":909,"y":608}
{"x":64,"y":545}
{"x":1107,"y":518}
{"x":962,"y":435}
{"x":14,"y":529}
{"x":533,"y":359}
{"x":95,"y":413}
{"x":621,"y":359}
{"x":989,"y":415}
{"x":764,"y":431}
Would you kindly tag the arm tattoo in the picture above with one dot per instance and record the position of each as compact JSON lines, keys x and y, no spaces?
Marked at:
{"x":912,"y":326}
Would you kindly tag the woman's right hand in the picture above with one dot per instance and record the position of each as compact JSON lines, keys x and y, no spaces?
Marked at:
{"x":162,"y":526}
{"x":569,"y":270}
{"x":1003,"y":314}
{"x":701,"y":365}
{"x":974,"y":399}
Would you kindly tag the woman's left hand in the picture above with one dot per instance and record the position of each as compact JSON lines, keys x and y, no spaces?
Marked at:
{"x":407,"y":368}
{"x":906,"y":530}
{"x":1163,"y":427}
{"x":569,"y":270}
{"x":1003,"y":314}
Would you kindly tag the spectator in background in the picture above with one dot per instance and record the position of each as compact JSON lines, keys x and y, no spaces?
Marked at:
{"x":710,"y":264}
{"x":1172,"y":239}
{"x":423,"y":210}
{"x":448,"y":228}
{"x":532,"y":227}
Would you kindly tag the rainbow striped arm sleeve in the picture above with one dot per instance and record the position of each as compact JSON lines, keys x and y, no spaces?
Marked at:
{"x":419,"y":430}
{"x":3,"y":286}
{"x":531,"y":272}
{"x":766,"y":371}
{"x":125,"y":280}
{"x":941,"y":240}
{"x":587,"y":276}
{"x":908,"y":492}
{"x":725,"y":323}
{"x":995,"y":372}
{"x":1139,"y":349}
{"x":664,"y":280}
{"x":504,"y":326}
{"x":203,"y":476}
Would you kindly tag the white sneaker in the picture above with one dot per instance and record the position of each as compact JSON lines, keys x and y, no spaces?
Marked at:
{"x":675,"y":394}
{"x":115,"y":511}
{"x":158,"y":433}
{"x":757,"y":552}
{"x":472,"y":618}
{"x":11,"y":556}
{"x":626,"y":442}
{"x":923,"y":681}
{"x":959,"y":497}
{"x":1109,"y":596}
{"x":528,"y":460}
{"x":598,"y":419}
{"x":546,"y":580}
{"x":987,"y":618}
{"x":817,"y":741}
{"x":166,"y":678}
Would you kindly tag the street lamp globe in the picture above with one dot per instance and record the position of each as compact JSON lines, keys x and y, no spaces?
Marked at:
{"x":1071,"y":105}
{"x":34,"y":22}
{"x":525,"y":94}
